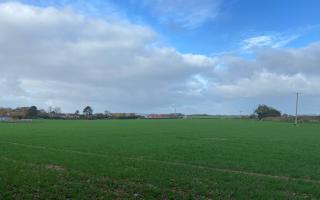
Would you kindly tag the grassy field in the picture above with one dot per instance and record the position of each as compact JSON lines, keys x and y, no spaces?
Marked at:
{"x":159,"y":159}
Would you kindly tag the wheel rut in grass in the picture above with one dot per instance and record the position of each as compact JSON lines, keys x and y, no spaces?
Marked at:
{"x":223,"y":170}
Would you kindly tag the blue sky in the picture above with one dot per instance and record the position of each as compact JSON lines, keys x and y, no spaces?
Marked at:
{"x":226,"y":55}
{"x":234,"y":20}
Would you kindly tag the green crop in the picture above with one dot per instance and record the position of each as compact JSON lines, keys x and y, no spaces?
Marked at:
{"x":159,"y":159}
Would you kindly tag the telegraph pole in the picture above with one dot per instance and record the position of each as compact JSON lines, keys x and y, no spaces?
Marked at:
{"x":297,"y":103}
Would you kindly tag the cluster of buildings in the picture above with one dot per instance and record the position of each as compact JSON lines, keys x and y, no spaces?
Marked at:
{"x":22,"y":113}
{"x":17,"y":113}
{"x":164,"y":116}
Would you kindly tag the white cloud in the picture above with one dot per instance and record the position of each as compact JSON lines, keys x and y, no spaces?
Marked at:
{"x":59,"y":57}
{"x":272,"y":73}
{"x":267,"y":84}
{"x":292,"y":60}
{"x":274,"y":41}
{"x":185,"y":13}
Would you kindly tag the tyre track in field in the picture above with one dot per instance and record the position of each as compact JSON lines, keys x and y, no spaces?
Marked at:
{"x":223,"y":170}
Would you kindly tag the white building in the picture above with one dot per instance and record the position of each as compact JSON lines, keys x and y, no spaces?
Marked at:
{"x":4,"y":118}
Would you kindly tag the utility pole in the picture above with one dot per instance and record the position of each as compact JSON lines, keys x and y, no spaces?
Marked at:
{"x":297,"y":103}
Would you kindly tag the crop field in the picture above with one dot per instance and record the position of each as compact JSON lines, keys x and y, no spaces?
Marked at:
{"x":159,"y":159}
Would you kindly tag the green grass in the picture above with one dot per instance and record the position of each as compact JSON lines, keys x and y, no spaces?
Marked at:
{"x":159,"y":159}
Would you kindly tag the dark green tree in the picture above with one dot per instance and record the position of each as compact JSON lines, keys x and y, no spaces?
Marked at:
{"x":87,"y":111}
{"x":32,"y":112}
{"x":264,"y":111}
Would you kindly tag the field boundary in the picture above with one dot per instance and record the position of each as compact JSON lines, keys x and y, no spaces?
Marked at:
{"x":224,"y":170}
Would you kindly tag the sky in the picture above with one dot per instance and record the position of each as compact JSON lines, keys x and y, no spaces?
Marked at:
{"x":155,"y":56}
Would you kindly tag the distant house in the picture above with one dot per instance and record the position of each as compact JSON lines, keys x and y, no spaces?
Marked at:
{"x":124,"y":115}
{"x":70,"y":116}
{"x":159,"y":116}
{"x":5,"y":112}
{"x":5,"y":118}
{"x":19,"y":113}
{"x":164,"y":116}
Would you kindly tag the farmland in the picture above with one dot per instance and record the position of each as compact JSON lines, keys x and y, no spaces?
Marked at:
{"x":159,"y":159}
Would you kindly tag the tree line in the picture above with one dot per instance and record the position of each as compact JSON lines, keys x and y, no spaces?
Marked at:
{"x":33,"y":112}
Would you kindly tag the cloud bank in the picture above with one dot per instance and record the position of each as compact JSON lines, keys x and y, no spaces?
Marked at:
{"x":56,"y":57}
